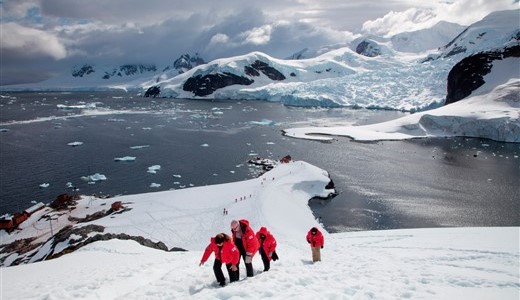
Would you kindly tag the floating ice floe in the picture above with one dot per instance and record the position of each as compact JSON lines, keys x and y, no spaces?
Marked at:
{"x":75,"y":144}
{"x":153,"y":169}
{"x":82,"y":106}
{"x":264,"y":122}
{"x":139,"y":147}
{"x":155,"y":185}
{"x":177,"y":176}
{"x":93,"y":178}
{"x":125,"y":158}
{"x":116,"y":120}
{"x":44,"y":185}
{"x":204,"y":145}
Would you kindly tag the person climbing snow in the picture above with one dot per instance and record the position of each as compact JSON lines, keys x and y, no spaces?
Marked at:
{"x":246,"y":242}
{"x":267,"y":247}
{"x":315,"y":239}
{"x":225,"y":253}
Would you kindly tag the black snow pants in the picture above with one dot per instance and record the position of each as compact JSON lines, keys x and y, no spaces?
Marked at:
{"x":242,"y":250}
{"x":219,"y":275}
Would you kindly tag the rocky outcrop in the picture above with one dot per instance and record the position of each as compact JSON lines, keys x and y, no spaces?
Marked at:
{"x":468,"y":75}
{"x":368,"y":48}
{"x":266,"y":69}
{"x":153,"y":91}
{"x":203,"y":85}
{"x":82,"y":71}
{"x":74,"y":237}
{"x":185,"y":62}
{"x":129,"y":70}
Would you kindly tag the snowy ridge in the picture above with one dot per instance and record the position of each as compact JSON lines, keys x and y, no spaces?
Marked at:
{"x":370,"y":73}
{"x":496,"y":30}
{"x":169,"y":217}
{"x":447,"y":263}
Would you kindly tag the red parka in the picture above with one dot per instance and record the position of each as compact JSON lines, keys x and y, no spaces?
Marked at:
{"x":249,"y":239}
{"x":228,"y":254}
{"x":269,"y":244}
{"x":316,"y":240}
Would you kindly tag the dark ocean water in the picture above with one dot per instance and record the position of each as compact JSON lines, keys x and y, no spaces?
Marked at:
{"x":382,"y":185}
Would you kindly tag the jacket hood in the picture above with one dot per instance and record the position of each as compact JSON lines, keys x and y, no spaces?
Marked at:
{"x":263,"y":231}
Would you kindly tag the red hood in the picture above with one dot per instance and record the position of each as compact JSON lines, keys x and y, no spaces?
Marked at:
{"x":263,"y":231}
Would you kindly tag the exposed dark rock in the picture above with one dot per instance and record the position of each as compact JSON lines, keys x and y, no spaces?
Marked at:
{"x":267,"y":70}
{"x":368,"y":48}
{"x":84,"y":70}
{"x":85,"y":235}
{"x":292,"y":74}
{"x":129,"y":70}
{"x":207,"y":84}
{"x":153,"y":91}
{"x":250,"y":71}
{"x":468,"y":74}
{"x":186,"y":62}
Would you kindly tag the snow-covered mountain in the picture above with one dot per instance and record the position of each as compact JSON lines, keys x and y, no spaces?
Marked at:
{"x":496,"y":30}
{"x":91,"y":76}
{"x":413,"y":42}
{"x":369,"y":73}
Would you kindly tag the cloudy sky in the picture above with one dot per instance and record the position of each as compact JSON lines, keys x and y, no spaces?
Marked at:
{"x":40,"y":38}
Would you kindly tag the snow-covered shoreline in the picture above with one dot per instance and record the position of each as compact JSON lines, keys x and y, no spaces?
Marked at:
{"x":494,"y":115}
{"x":442,"y":263}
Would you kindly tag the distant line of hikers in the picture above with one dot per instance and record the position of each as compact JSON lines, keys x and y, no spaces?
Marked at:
{"x":245,"y":243}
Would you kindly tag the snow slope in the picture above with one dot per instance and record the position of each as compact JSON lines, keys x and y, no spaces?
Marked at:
{"x":448,"y":263}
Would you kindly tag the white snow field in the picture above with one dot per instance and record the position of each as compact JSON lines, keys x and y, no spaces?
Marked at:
{"x":442,"y":263}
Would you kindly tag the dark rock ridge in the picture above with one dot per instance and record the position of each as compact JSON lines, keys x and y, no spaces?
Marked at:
{"x":83,"y":70}
{"x":265,"y":68}
{"x":368,"y":48}
{"x":203,"y":85}
{"x":186,"y":62}
{"x":128,"y":70}
{"x":75,"y":238}
{"x":468,"y":74}
{"x":153,"y":91}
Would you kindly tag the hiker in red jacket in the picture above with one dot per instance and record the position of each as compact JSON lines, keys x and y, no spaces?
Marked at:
{"x":267,"y":247}
{"x":225,"y":253}
{"x":315,"y":239}
{"x":246,"y":242}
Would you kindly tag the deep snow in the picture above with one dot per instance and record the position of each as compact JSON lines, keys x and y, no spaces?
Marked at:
{"x":446,"y":263}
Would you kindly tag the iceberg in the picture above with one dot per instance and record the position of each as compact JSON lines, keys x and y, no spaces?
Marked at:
{"x":153,"y":169}
{"x":75,"y":144}
{"x":125,"y":158}
{"x":94,"y":178}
